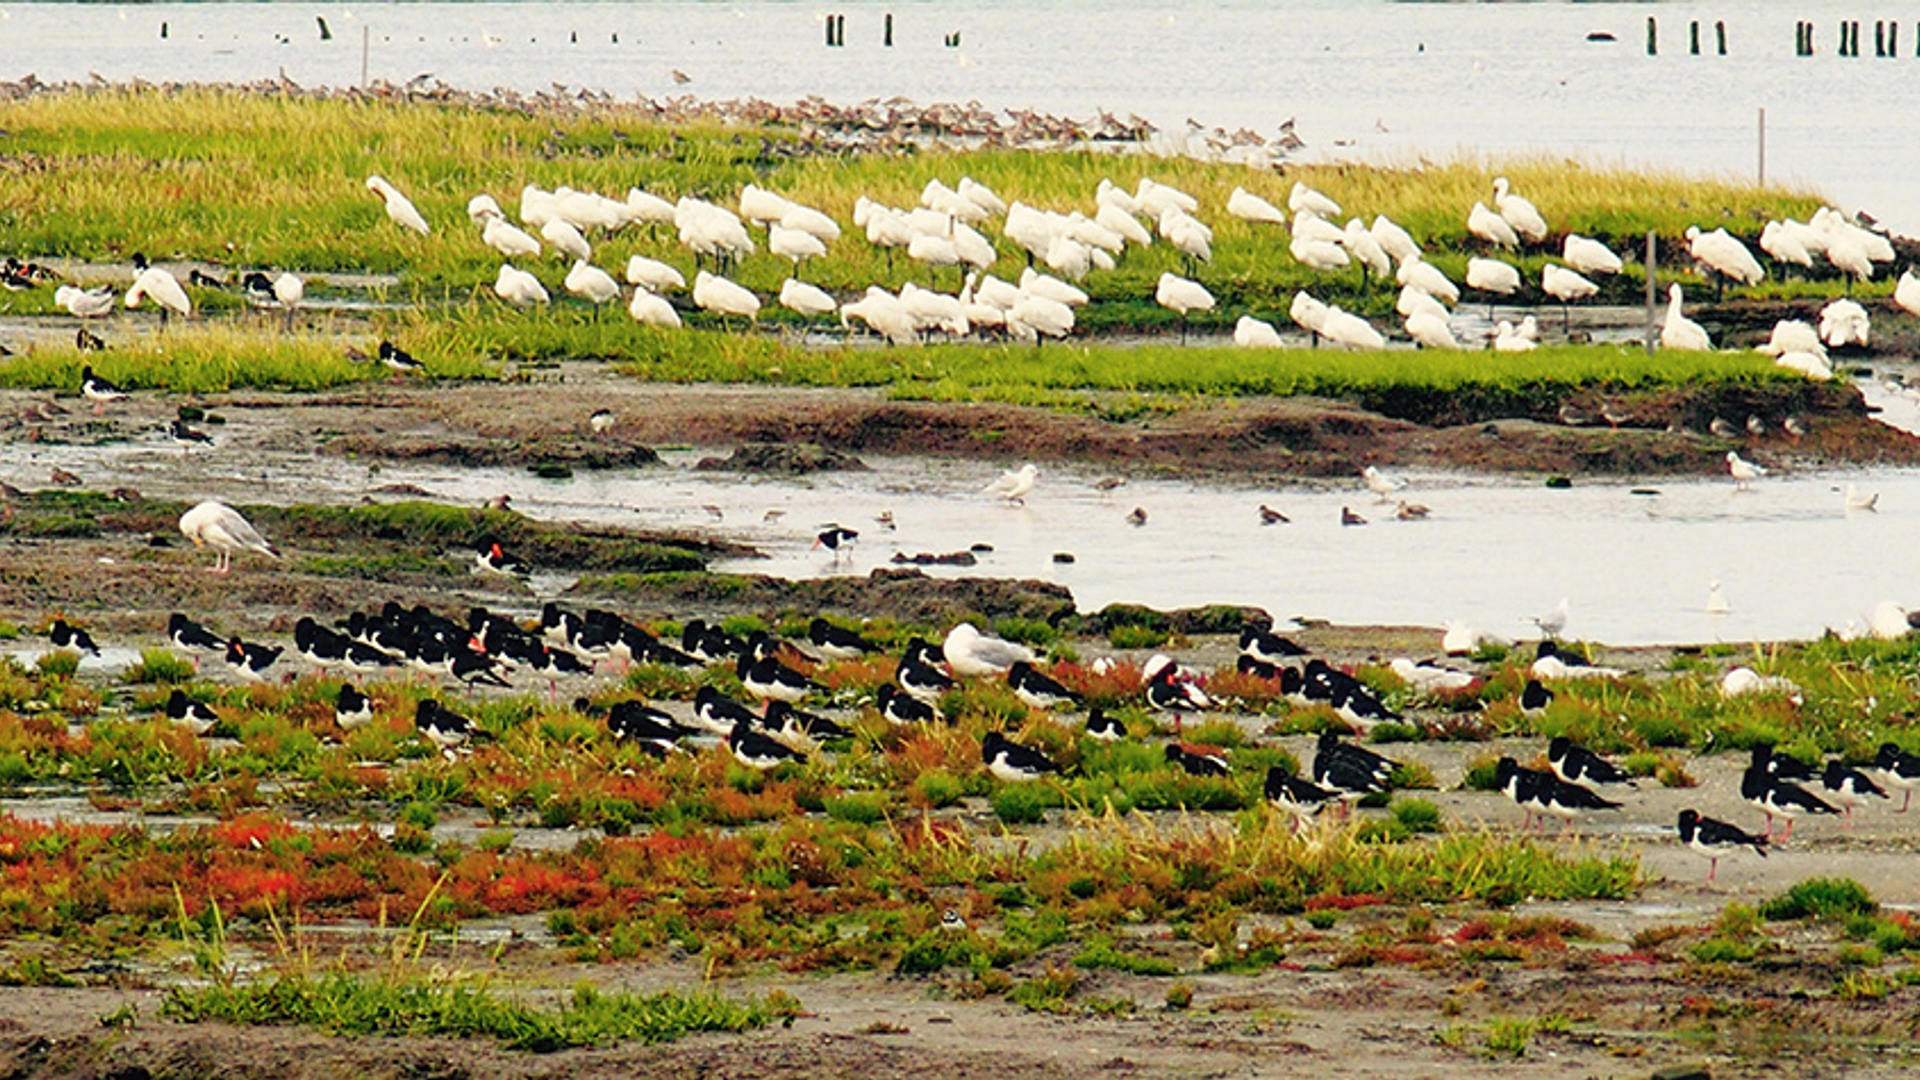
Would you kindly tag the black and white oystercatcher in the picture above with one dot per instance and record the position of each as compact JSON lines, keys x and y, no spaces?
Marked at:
{"x":1712,"y":839}
{"x":65,"y":635}
{"x":193,"y":715}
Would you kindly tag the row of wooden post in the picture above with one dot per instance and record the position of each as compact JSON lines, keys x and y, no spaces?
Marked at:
{"x":1886,"y":38}
{"x":837,"y":31}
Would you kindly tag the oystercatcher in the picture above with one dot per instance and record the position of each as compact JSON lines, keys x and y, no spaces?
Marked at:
{"x":190,"y":635}
{"x":445,"y":728}
{"x":398,"y":360}
{"x":1899,"y":769}
{"x":251,"y":661}
{"x":837,"y":540}
{"x":1038,"y":690}
{"x":318,"y":645}
{"x":98,"y":390}
{"x":1267,"y":646}
{"x":1168,"y":692}
{"x":1850,"y":788}
{"x":190,"y":714}
{"x":922,"y":680}
{"x":474,"y":669}
{"x":800,"y":729}
{"x":1103,"y":727}
{"x":1352,"y":771}
{"x":1204,"y":761}
{"x":489,"y":558}
{"x":767,"y":677}
{"x":1297,"y":796}
{"x":1008,"y":760}
{"x":1711,"y":839}
{"x":1521,"y":785}
{"x":1535,"y":698}
{"x":719,"y":713}
{"x":1576,"y":764}
{"x":1567,"y":801}
{"x":903,"y":708}
{"x":1776,"y":797}
{"x":65,"y":635}
{"x":1247,"y":665}
{"x":757,"y":750}
{"x":1781,"y":766}
{"x":838,"y":642}
{"x":352,"y":709}
{"x":186,"y":438}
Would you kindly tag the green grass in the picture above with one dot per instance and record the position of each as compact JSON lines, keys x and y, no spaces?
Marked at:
{"x":346,"y":1004}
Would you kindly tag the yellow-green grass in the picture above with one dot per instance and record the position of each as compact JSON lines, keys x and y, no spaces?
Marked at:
{"x":261,"y":180}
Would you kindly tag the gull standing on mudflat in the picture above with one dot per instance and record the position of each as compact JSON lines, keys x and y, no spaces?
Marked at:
{"x":219,"y":526}
{"x":969,"y":652}
{"x":1013,"y":485}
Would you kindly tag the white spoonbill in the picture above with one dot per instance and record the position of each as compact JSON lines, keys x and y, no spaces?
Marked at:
{"x":482,"y":206}
{"x":1493,"y":277}
{"x":566,"y":239}
{"x":650,"y":309}
{"x":1249,"y":207}
{"x":723,"y":297}
{"x":803,"y":299}
{"x":1431,"y":330}
{"x":1491,"y":227}
{"x":592,"y":284}
{"x":1680,"y":332}
{"x":1181,"y":295}
{"x":795,"y":244}
{"x":399,"y":208}
{"x":1350,"y":331}
{"x":1782,"y":241}
{"x":1565,"y":286}
{"x":1844,"y":322}
{"x":1365,"y":250}
{"x":1792,"y":335}
{"x":165,"y":290}
{"x":1413,"y":300}
{"x":1724,"y":256}
{"x":1052,"y":288}
{"x":1252,"y":333}
{"x":1034,"y":317}
{"x":1589,"y":256}
{"x":219,"y":526}
{"x":653,"y":274}
{"x":1508,"y":338}
{"x":288,"y":290}
{"x":519,"y":288}
{"x":1906,"y":294}
{"x":1394,"y":240}
{"x":1313,"y":202}
{"x":1309,"y":314}
{"x":1518,"y":212}
{"x":1427,"y":277}
{"x":507,"y":238}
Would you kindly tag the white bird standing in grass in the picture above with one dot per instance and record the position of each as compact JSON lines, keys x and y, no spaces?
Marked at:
{"x":1724,"y":255}
{"x":1680,"y":332}
{"x":1518,"y":212}
{"x":971,"y":653}
{"x":82,"y":304}
{"x":1744,"y":472}
{"x":1305,"y":198}
{"x":1394,"y":240}
{"x":803,"y":299}
{"x":1014,"y":484}
{"x":1252,"y":333}
{"x":1428,"y":278}
{"x":220,"y":527}
{"x":1589,"y":256}
{"x":400,"y":209}
{"x":165,"y":290}
{"x":1249,"y":207}
{"x":1180,"y":295}
{"x":566,"y":239}
{"x":288,"y":291}
{"x":653,"y":274}
{"x":592,"y":284}
{"x":723,"y":297}
{"x":1491,"y":227}
{"x":507,"y":238}
{"x":1493,"y":277}
{"x":795,"y":244}
{"x":519,"y":288}
{"x":1906,"y":294}
{"x":1430,"y":330}
{"x":1565,"y":286}
{"x":649,"y":309}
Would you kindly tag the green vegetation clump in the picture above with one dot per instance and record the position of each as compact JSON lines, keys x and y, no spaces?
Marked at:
{"x":1820,"y":898}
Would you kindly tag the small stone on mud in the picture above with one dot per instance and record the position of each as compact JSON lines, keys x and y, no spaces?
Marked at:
{"x":980,"y":549}
{"x":1063,"y":556}
{"x":551,"y":470}
{"x":1559,"y":483}
{"x":787,"y":459}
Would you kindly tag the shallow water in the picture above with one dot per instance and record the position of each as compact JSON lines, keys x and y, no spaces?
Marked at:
{"x":1364,"y":79}
{"x":1635,"y":566}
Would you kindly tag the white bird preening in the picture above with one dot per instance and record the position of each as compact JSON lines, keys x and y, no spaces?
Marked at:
{"x":724,"y":297}
{"x":1589,"y":256}
{"x":1181,"y":295}
{"x":400,"y":209}
{"x":1906,"y":293}
{"x":288,"y":290}
{"x":519,"y":288}
{"x":1493,"y":277}
{"x":1554,"y":622}
{"x":1380,"y":483}
{"x":1431,"y":330}
{"x":1305,"y":198}
{"x":806,"y":300}
{"x":1249,"y":207}
{"x":592,"y":284}
{"x":82,"y":304}
{"x":507,"y":238}
{"x":1844,"y":322}
{"x":1680,"y":332}
{"x":1724,"y":256}
{"x":1014,"y":484}
{"x":1744,"y":472}
{"x":1717,"y":600}
{"x":1508,"y":338}
{"x":565,"y":238}
{"x":1428,"y":278}
{"x":1863,"y":501}
{"x":165,"y":290}
{"x":651,"y":309}
{"x":1491,"y":227}
{"x":653,"y":274}
{"x":1252,"y":333}
{"x":1518,"y":212}
{"x":219,"y":526}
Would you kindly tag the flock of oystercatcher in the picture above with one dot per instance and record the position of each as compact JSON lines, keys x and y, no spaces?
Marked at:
{"x":490,"y":650}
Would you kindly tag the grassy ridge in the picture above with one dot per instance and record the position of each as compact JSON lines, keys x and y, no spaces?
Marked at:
{"x":257,"y":180}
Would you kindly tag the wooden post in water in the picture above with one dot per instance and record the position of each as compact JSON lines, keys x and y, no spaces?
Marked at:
{"x":1763,"y":146}
{"x":1893,"y":39}
{"x":829,"y":31}
{"x":1652,"y":291}
{"x":1693,"y":37}
{"x":1653,"y":37}
{"x":1879,"y":38}
{"x":1720,"y":35}
{"x":888,"y":40}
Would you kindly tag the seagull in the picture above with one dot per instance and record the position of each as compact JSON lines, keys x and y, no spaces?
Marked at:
{"x":1554,"y":622}
{"x":1412,"y":511}
{"x":1717,"y":600}
{"x":1744,"y":472}
{"x":1710,"y":839}
{"x":969,"y":652}
{"x":1380,"y":483}
{"x":219,"y":526}
{"x":1862,"y":500}
{"x":1014,"y":484}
